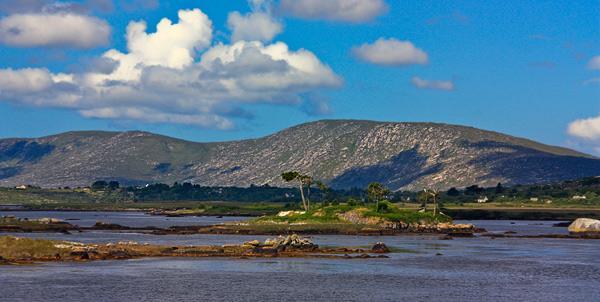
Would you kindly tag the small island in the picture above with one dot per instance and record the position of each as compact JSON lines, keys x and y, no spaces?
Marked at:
{"x":16,"y":250}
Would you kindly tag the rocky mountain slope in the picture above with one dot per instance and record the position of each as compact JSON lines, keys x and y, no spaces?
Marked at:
{"x":344,"y":153}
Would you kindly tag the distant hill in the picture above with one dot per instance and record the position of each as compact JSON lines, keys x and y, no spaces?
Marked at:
{"x":344,"y":153}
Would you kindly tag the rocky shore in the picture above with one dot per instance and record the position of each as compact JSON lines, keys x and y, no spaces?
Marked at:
{"x":466,"y":230}
{"x":15,"y":250}
{"x":12,"y":224}
{"x":24,"y":225}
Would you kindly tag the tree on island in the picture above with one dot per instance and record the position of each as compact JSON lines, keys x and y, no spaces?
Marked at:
{"x":103,"y":185}
{"x":113,"y":185}
{"x":453,"y":192}
{"x":303,"y":180}
{"x":324,"y":189}
{"x":499,"y":188}
{"x":434,"y":194}
{"x":99,"y":185}
{"x":377,"y":192}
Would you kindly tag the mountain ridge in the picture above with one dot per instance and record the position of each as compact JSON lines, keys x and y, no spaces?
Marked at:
{"x":106,"y":132}
{"x":344,"y":153}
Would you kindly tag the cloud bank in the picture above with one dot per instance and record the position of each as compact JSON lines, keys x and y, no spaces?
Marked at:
{"x":175,"y":75}
{"x":53,"y":29}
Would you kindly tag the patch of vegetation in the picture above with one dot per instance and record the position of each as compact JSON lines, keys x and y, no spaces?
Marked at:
{"x":27,"y":248}
{"x":393,"y":213}
{"x":332,"y":214}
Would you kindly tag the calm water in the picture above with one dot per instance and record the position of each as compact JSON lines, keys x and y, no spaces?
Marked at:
{"x":130,"y":219}
{"x":468,"y":269}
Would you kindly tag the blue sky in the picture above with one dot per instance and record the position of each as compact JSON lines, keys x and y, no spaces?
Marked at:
{"x":526,"y":68}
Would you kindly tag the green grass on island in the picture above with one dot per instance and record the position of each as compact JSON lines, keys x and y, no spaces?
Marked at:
{"x":354,"y":213}
{"x":24,"y":248}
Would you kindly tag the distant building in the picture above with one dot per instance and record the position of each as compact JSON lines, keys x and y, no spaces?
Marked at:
{"x":21,"y":187}
{"x":534,"y":199}
{"x":482,"y":200}
{"x":579,"y":197}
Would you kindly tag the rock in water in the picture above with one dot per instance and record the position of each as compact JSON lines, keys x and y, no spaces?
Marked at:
{"x":380,"y":247}
{"x":585,"y":225}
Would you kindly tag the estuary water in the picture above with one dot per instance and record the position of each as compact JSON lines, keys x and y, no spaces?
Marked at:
{"x":422,"y":268}
{"x":130,"y":219}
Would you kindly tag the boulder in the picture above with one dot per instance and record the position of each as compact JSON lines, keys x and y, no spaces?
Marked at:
{"x":380,"y":248}
{"x":47,"y":220}
{"x":291,"y":241}
{"x":585,"y":225}
{"x":289,"y":213}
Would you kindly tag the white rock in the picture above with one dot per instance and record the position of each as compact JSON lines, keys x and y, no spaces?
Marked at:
{"x":289,"y":213}
{"x":584,"y":225}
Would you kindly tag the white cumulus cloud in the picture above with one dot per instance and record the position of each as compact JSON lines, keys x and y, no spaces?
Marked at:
{"x":54,"y":29}
{"x":355,"y":11}
{"x":176,"y":75}
{"x":256,"y":26}
{"x":172,"y":45}
{"x":588,"y":128}
{"x":594,"y":63}
{"x":391,"y":52}
{"x":432,"y":84}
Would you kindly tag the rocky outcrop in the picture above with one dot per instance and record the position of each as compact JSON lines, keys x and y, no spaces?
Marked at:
{"x":291,"y":242}
{"x":357,"y":216}
{"x":14,"y":224}
{"x":585,"y":225}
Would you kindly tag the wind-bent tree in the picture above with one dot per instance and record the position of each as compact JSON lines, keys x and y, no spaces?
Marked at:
{"x":423,"y":197}
{"x":434,"y":194}
{"x":307,"y":181}
{"x":377,"y":192}
{"x":303,"y":180}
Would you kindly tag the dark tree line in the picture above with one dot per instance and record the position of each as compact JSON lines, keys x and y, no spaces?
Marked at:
{"x":315,"y":191}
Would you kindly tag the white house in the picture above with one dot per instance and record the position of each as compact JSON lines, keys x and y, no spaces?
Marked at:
{"x":482,"y":200}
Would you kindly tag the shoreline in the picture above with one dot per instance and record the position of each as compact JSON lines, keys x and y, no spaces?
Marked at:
{"x":448,"y":233}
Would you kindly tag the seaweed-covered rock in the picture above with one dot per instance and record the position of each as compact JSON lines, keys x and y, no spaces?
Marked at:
{"x":380,"y":248}
{"x":100,"y":225}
